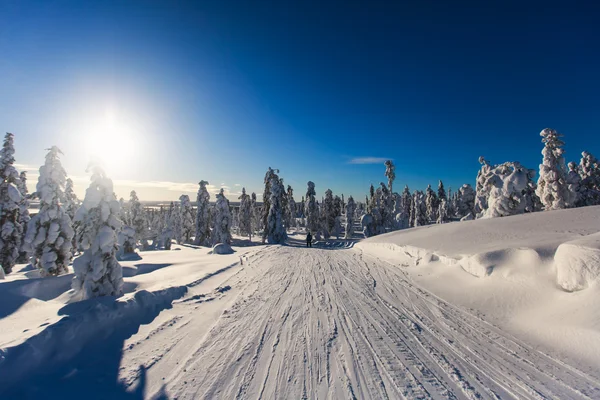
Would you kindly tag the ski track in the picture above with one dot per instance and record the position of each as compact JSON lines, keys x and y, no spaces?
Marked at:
{"x":336,"y":323}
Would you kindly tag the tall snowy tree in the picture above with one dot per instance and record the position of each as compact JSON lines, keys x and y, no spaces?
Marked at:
{"x":255,"y":213}
{"x":187,"y":219}
{"x":442,"y":212}
{"x":246,"y":214}
{"x":50,"y":232}
{"x":11,"y":230}
{"x":274,"y":229}
{"x":137,"y":219}
{"x":311,"y":210}
{"x":268,"y":181}
{"x":24,"y":216}
{"x":482,"y":189}
{"x":328,"y":214}
{"x":431,"y":204}
{"x":97,"y":271}
{"x":390,"y":173}
{"x":441,"y":191}
{"x":291,"y":208}
{"x":222,"y":222}
{"x":203,"y":215}
{"x":71,"y":200}
{"x":350,"y":210}
{"x":419,"y":209}
{"x":552,"y":186}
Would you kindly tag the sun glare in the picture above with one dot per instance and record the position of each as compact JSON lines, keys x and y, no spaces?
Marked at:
{"x":112,"y":142}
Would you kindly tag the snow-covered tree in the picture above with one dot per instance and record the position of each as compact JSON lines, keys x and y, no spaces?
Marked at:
{"x":441,"y":191}
{"x":589,"y":188}
{"x":71,"y":200}
{"x":187,"y":219}
{"x":552,"y":186}
{"x":50,"y":232}
{"x":431,"y":204}
{"x":403,"y":214}
{"x":245,"y":214}
{"x":24,"y":216}
{"x":390,"y":173}
{"x":275,"y":231}
{"x":350,"y":210}
{"x":482,"y":190}
{"x":97,"y":271}
{"x":510,"y":188}
{"x":328,"y":214}
{"x":442,"y":212}
{"x":419,"y":209}
{"x":291,"y":208}
{"x":11,"y":230}
{"x":203,"y":215}
{"x":137,"y":219}
{"x":311,"y":211}
{"x":465,"y":207}
{"x":222,"y":221}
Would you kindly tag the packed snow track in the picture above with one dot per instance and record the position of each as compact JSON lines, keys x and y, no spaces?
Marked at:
{"x":336,"y":323}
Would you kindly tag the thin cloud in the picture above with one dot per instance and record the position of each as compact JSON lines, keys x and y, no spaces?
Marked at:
{"x":368,"y":160}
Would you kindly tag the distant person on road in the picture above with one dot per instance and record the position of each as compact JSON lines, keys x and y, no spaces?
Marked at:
{"x":309,"y":240}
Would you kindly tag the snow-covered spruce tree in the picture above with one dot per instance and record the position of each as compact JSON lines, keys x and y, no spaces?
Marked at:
{"x":187,"y":219}
{"x":509,"y":186}
{"x":222,"y":222}
{"x":390,"y":173}
{"x":552,"y":186}
{"x":50,"y":232}
{"x":337,"y":206}
{"x":175,"y":222}
{"x":271,"y":173}
{"x":328,"y":214}
{"x":71,"y":201}
{"x":431,"y":204}
{"x":203,"y":215}
{"x":166,"y":233}
{"x":255,"y":213}
{"x":301,"y":207}
{"x":403,"y":219}
{"x":465,"y":208}
{"x":419,"y":209}
{"x":386,"y":208}
{"x":450,"y":203}
{"x":291,"y":208}
{"x":441,"y":191}
{"x":11,"y":230}
{"x":442,"y":212}
{"x":350,"y":210}
{"x":137,"y":219}
{"x":275,"y":230}
{"x":245,"y":215}
{"x":589,"y":170}
{"x":311,"y":210}
{"x":482,"y":190}
{"x":97,"y":271}
{"x":24,"y":216}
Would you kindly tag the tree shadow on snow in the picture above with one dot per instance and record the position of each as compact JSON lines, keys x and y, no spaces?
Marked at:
{"x":141,"y":269}
{"x":80,"y":355}
{"x":13,"y":294}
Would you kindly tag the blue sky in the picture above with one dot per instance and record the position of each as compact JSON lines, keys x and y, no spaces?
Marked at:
{"x":222,"y":90}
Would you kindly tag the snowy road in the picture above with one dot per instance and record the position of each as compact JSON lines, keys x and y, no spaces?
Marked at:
{"x":336,"y":323}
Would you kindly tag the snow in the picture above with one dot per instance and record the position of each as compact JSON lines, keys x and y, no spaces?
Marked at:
{"x":392,"y":316}
{"x":222,"y":248}
{"x":578,"y":262}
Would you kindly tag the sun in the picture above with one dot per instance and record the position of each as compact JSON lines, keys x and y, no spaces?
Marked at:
{"x":111,"y":141}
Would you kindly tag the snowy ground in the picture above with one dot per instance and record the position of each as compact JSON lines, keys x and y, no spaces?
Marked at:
{"x":396,"y":316}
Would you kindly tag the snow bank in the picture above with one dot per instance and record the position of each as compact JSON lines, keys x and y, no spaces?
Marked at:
{"x":84,"y":323}
{"x":578,"y":263}
{"x":486,"y":246}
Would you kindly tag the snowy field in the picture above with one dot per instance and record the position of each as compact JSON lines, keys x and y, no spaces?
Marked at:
{"x":478,"y":309}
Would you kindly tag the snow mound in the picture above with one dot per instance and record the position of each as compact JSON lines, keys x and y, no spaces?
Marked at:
{"x":578,"y":263}
{"x":483,"y":264}
{"x":221,"y":248}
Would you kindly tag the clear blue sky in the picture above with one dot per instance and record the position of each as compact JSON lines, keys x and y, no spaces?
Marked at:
{"x":221,"y":90}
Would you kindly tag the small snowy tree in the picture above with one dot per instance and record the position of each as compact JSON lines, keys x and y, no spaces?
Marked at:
{"x":419,"y":209}
{"x":328,"y":214}
{"x":291,"y":208}
{"x":589,"y":188}
{"x":431,"y":204}
{"x":311,"y":210}
{"x":50,"y":231}
{"x":203,"y":215}
{"x":350,"y":210}
{"x":552,"y":186}
{"x":442,"y":212}
{"x":255,"y":213}
{"x":222,"y":222}
{"x":466,"y":202}
{"x":97,"y":271}
{"x":71,"y":200}
{"x":481,"y":188}
{"x":11,"y":230}
{"x":510,"y":187}
{"x":187,"y":219}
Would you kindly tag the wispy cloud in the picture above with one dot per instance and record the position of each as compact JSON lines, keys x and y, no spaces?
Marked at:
{"x":368,"y":160}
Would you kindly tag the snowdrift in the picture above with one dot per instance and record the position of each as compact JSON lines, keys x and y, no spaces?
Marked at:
{"x":578,"y":262}
{"x":501,"y":245}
